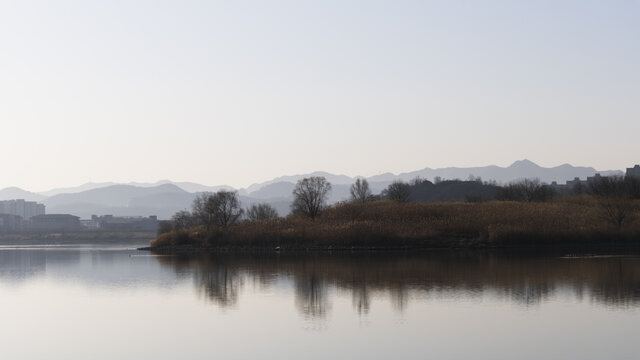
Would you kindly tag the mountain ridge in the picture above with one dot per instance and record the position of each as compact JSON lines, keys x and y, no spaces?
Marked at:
{"x":517,"y":170}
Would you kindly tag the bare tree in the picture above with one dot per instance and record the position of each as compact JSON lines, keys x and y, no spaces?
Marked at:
{"x":360,"y":191}
{"x":221,"y":208}
{"x":416,"y":181}
{"x":182,"y":220}
{"x":264,"y":211}
{"x":310,"y":196}
{"x":201,"y":215}
{"x":398,"y":191}
{"x":617,"y":210}
{"x":224,"y":205}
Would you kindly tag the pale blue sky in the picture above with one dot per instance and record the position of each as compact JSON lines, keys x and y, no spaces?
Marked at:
{"x":239,"y":92}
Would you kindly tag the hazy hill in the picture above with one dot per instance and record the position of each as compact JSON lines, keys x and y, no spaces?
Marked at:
{"x":169,"y":200}
{"x":518,"y":170}
{"x":85,"y":210}
{"x":76,"y":189}
{"x":122,"y":200}
{"x":185,"y":185}
{"x":128,"y":200}
{"x":277,"y":189}
{"x":12,"y":193}
{"x":280,"y":186}
{"x":333,"y":179}
{"x":196,"y":188}
{"x":114,"y":195}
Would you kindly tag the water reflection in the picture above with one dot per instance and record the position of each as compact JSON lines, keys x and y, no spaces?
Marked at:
{"x":528,"y":280}
{"x":93,"y":267}
{"x":439,"y":305}
{"x":315,"y":279}
{"x":311,"y":295}
{"x":19,"y":265}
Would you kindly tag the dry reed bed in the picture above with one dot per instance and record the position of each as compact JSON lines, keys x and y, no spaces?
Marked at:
{"x":390,"y":224}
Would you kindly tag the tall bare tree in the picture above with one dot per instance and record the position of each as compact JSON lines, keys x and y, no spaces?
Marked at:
{"x":360,"y":191}
{"x":199,"y":210}
{"x":310,"y":196}
{"x":221,"y":208}
{"x":225,"y":207}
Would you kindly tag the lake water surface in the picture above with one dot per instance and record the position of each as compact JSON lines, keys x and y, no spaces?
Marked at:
{"x":117,"y":303}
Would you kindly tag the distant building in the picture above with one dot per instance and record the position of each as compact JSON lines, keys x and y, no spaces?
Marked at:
{"x":122,"y":223}
{"x":11,"y":223}
{"x":571,"y":187}
{"x":634,"y":172}
{"x":22,"y":208}
{"x":577,"y":186}
{"x":55,"y":222}
{"x":89,"y":224}
{"x":596,"y":177}
{"x":575,"y":182}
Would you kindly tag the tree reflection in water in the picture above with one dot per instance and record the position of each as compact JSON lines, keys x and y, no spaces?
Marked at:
{"x":526,"y":279}
{"x":312,"y":295}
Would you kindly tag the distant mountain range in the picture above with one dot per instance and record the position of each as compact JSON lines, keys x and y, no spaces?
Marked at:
{"x":11,"y":193}
{"x":187,"y":186}
{"x":164,"y":198}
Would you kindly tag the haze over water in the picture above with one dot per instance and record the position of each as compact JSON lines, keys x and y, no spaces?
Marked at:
{"x":105,"y":303}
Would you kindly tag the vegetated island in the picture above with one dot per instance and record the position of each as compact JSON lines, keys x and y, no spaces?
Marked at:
{"x":526,"y":215}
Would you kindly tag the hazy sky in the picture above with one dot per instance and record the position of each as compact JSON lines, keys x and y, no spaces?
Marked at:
{"x":237,"y":92}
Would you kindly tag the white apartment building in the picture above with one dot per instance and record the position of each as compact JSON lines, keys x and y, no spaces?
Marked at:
{"x":20,"y":207}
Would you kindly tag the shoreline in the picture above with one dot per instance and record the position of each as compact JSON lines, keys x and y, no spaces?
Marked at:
{"x":624,"y":246}
{"x":77,"y":238}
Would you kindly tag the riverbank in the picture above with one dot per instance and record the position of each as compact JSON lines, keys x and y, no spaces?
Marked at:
{"x":580,"y":222}
{"x":77,"y":238}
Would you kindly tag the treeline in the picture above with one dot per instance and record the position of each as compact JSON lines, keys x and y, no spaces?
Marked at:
{"x":220,"y":209}
{"x":603,"y":186}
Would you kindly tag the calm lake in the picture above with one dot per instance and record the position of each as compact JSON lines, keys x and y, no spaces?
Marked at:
{"x":118,"y":303}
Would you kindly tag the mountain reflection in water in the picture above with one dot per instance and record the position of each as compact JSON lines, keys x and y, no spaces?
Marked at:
{"x":528,"y":280}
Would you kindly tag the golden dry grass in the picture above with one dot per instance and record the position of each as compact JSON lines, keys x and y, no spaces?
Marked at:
{"x":390,"y":224}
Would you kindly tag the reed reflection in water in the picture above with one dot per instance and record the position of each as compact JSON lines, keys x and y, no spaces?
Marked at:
{"x":527,"y":280}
